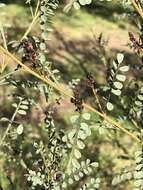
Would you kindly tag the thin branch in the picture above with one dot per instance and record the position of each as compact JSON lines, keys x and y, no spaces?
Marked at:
{"x":31,"y":26}
{"x":35,"y":17}
{"x":97,"y":100}
{"x":10,"y":124}
{"x":137,"y":8}
{"x":66,"y":93}
{"x":3,"y":36}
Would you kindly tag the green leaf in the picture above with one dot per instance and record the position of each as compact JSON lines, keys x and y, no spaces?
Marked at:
{"x":43,"y":18}
{"x":124,"y":68}
{"x":19,"y":129}
{"x":86,"y":116}
{"x":84,"y":126}
{"x":88,"y":161}
{"x":76,"y":177}
{"x":89,"y":169}
{"x":140,"y":97}
{"x":85,"y":171}
{"x":42,"y":46}
{"x":92,"y":180}
{"x":139,"y":167}
{"x":138,"y":103}
{"x":74,"y":118}
{"x":65,"y":139}
{"x":77,"y":153}
{"x":71,"y":134}
{"x":81,"y":174}
{"x":75,"y":163}
{"x":82,"y":2}
{"x":110,"y":106}
{"x":76,"y":5}
{"x":138,"y":175}
{"x":116,"y":92}
{"x":22,"y":112}
{"x":98,"y":180}
{"x":101,"y":130}
{"x":118,"y":85}
{"x":24,"y":107}
{"x":25,"y":102}
{"x":138,"y":183}
{"x":14,"y":105}
{"x":115,"y":65}
{"x":44,"y":35}
{"x":64,"y":184}
{"x":120,"y":57}
{"x":121,"y":78}
{"x":88,"y":2}
{"x":94,"y":164}
{"x":70,"y":181}
{"x":139,"y":160}
{"x":42,"y":58}
{"x":86,"y":129}
{"x":138,"y":153}
{"x":80,"y":144}
{"x":67,"y":7}
{"x":4,"y":119}
{"x":82,"y":135}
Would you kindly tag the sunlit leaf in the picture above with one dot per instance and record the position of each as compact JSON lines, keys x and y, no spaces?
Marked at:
{"x":19,"y":129}
{"x":120,"y":57}
{"x":116,"y":92}
{"x":77,"y":153}
{"x":110,"y":106}
{"x":124,"y":68}
{"x":22,"y":112}
{"x":121,"y":78}
{"x":118,"y":85}
{"x":86,"y":116}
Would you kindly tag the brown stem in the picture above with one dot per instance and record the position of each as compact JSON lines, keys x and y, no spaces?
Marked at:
{"x":66,"y":93}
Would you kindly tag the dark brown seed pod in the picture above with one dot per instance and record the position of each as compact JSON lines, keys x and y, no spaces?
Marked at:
{"x":77,"y":101}
{"x":90,"y":82}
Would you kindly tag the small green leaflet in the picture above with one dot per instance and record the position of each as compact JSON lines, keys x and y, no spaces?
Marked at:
{"x":120,"y":57}
{"x":19,"y":129}
{"x":120,"y":77}
{"x":110,"y":106}
{"x":116,"y":92}
{"x":124,"y":68}
{"x":118,"y":85}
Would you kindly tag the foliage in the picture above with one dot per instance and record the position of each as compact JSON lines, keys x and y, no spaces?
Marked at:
{"x":42,"y":150}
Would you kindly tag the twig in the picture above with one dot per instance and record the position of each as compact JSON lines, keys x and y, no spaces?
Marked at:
{"x":137,"y":8}
{"x":66,"y":93}
{"x":31,"y":26}
{"x":35,"y":17}
{"x":3,"y":36}
{"x":10,"y":124}
{"x":97,"y":100}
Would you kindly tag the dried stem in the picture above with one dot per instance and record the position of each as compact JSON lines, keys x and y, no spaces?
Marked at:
{"x":10,"y":124}
{"x":137,"y":8}
{"x":66,"y":93}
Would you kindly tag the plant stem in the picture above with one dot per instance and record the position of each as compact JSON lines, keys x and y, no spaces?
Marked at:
{"x":66,"y":93}
{"x":97,"y":100}
{"x":137,"y":8}
{"x":3,"y":37}
{"x":10,"y":124}
{"x":31,"y":26}
{"x":36,"y":15}
{"x":8,"y":74}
